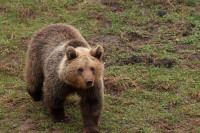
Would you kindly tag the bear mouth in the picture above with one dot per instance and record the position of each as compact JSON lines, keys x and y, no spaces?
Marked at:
{"x":88,"y":86}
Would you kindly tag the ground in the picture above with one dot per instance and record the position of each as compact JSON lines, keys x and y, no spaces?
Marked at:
{"x":152,"y":63}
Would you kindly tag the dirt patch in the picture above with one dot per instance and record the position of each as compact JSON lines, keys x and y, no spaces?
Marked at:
{"x":98,"y":16}
{"x":196,"y":122}
{"x":13,"y":59}
{"x":2,"y":9}
{"x":140,"y":37}
{"x":26,"y":12}
{"x":112,"y":86}
{"x":93,"y":0}
{"x":116,"y":102}
{"x":135,"y":35}
{"x":186,"y":125}
{"x":189,"y":56}
{"x":106,"y":24}
{"x":10,"y":62}
{"x":113,"y":54}
{"x":131,"y":47}
{"x":188,"y":30}
{"x":161,"y":13}
{"x":186,"y":33}
{"x":183,"y":47}
{"x":184,"y":54}
{"x":116,"y":86}
{"x":138,"y":59}
{"x":123,"y":54}
{"x":109,"y":39}
{"x":196,"y":96}
{"x":104,"y":20}
{"x":194,"y":56}
{"x":24,"y":43}
{"x":114,"y":6}
{"x":164,"y":127}
{"x":168,"y":63}
{"x":24,"y":124}
{"x":55,"y":131}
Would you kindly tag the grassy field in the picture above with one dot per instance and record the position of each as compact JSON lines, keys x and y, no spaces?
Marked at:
{"x":152,"y":60}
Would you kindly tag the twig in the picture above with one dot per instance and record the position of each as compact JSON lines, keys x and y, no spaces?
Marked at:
{"x":12,"y":35}
{"x":170,"y":3}
{"x":183,"y":12}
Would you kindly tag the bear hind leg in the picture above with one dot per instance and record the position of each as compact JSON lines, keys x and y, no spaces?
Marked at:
{"x":34,"y":81}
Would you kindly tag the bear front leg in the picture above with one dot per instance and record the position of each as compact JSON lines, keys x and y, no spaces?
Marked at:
{"x":54,"y":99}
{"x":57,"y":114}
{"x":56,"y":110}
{"x":91,"y":107}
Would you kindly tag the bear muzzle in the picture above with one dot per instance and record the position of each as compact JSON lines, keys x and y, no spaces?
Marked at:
{"x":89,"y":83}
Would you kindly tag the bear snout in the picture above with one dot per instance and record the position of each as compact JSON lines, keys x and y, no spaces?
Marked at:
{"x":89,"y":83}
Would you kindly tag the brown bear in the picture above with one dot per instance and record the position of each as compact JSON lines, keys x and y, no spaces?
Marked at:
{"x":60,"y":62}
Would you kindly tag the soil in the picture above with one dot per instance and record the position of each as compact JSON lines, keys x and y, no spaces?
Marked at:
{"x":112,"y":86}
{"x":24,"y":42}
{"x":187,"y":55}
{"x":109,"y":39}
{"x":134,"y":36}
{"x":132,"y":59}
{"x":24,"y":125}
{"x":114,"y":6}
{"x":106,"y":24}
{"x":98,"y":16}
{"x":27,"y":13}
{"x":110,"y":42}
{"x":10,"y":62}
{"x":2,"y":9}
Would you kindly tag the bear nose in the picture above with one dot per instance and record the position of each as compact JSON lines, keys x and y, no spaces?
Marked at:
{"x":89,"y":82}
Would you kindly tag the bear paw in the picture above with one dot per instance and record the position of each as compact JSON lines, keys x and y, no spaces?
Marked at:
{"x":65,"y":120}
{"x":37,"y":96}
{"x":90,"y":130}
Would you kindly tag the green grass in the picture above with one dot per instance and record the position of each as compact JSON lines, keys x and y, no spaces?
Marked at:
{"x":141,"y":96}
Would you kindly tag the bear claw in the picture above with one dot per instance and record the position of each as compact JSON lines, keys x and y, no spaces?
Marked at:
{"x":65,"y":120}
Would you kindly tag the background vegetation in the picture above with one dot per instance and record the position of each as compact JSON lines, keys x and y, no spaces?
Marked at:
{"x":152,"y":59}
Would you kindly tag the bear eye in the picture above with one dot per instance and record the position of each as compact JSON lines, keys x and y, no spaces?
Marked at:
{"x":80,"y":70}
{"x":92,"y":69}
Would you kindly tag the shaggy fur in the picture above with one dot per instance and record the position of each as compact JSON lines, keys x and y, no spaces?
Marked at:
{"x":60,"y":62}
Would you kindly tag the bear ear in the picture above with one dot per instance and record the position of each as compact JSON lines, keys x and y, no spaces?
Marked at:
{"x":71,"y":53}
{"x":97,"y":52}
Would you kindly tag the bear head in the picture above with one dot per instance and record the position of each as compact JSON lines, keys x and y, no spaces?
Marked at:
{"x":82,"y":67}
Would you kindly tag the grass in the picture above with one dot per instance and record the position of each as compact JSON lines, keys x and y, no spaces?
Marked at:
{"x":142,"y":94}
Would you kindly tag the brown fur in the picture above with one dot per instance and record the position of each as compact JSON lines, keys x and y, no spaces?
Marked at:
{"x":60,"y":61}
